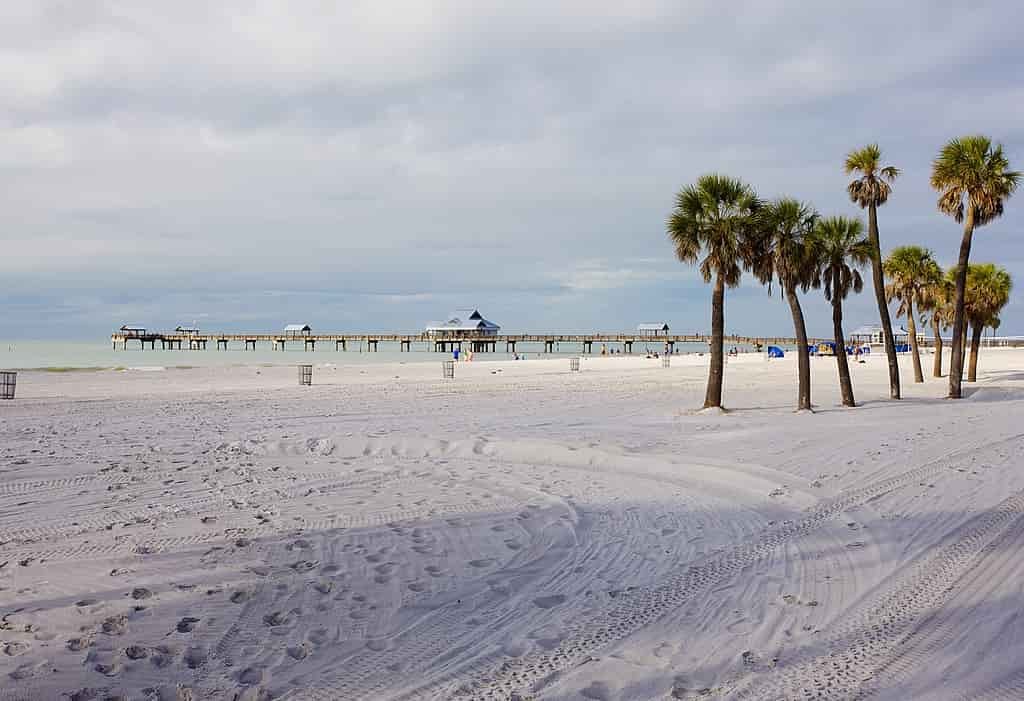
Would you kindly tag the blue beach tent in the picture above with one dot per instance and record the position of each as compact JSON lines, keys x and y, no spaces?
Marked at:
{"x":775,"y":352}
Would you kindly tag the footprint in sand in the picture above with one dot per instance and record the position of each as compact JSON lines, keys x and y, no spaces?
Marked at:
{"x":111,"y":669}
{"x":195,"y":657}
{"x":162,"y":656}
{"x":250,"y":676}
{"x":115,"y":625}
{"x":85,"y":694}
{"x":417,"y":586}
{"x":277,"y":618}
{"x":434,"y":570}
{"x":136,"y":652}
{"x":298,"y":652}
{"x":15,"y":648}
{"x":319,"y":636}
{"x":546,"y":602}
{"x":599,"y":691}
{"x":485,"y":562}
{"x":187,"y":624}
{"x":27,"y":670}
{"x":78,"y":644}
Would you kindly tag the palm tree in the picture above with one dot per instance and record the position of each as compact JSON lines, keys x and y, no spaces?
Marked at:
{"x":842,"y":250}
{"x":988,"y":291}
{"x":973,"y":178}
{"x":911,"y":270}
{"x":718,"y":217}
{"x":937,"y":304}
{"x":786,"y":254}
{"x":871,"y":190}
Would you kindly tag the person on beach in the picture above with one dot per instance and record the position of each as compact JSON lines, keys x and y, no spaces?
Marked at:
{"x":455,"y":354}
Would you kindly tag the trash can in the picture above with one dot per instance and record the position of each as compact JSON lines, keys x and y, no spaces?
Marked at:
{"x":448,"y":369}
{"x":8,"y":381}
{"x":305,"y":375}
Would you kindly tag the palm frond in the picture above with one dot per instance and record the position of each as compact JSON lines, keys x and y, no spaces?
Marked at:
{"x":842,"y":248}
{"x":973,"y":176}
{"x":874,"y":184}
{"x":717,"y":218}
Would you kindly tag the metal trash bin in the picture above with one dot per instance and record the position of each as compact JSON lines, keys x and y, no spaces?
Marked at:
{"x":574,"y":364}
{"x":306,"y":375}
{"x":8,"y":382}
{"x":448,"y":369}
{"x":666,"y":361}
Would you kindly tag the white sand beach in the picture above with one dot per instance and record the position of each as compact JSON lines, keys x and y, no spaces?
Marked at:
{"x":518,"y":532}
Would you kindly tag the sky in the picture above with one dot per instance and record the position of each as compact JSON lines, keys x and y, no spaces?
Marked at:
{"x":368,"y":166}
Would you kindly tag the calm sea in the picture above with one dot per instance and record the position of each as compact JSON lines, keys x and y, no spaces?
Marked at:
{"x":25,"y":355}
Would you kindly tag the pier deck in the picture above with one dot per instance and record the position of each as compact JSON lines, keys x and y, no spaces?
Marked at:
{"x":370,"y":341}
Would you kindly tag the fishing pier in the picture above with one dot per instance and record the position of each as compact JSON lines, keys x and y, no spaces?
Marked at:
{"x":427,"y":341}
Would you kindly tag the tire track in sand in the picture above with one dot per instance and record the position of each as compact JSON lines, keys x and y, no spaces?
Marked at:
{"x":898,"y":631}
{"x":646,"y":605}
{"x":168,"y":514}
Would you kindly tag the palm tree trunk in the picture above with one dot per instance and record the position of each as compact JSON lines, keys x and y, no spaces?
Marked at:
{"x":713,"y":396}
{"x":972,"y":368}
{"x":845,"y":385}
{"x":803,"y":354}
{"x":956,"y":362}
{"x":963,"y":347}
{"x":937,"y":367}
{"x":883,"y":307}
{"x":912,"y":332}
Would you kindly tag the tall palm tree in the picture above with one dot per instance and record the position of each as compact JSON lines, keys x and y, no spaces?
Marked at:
{"x":911,"y":270}
{"x":871,"y":190}
{"x":719,"y":218}
{"x":787,"y":255}
{"x":974,"y":179}
{"x":842,"y":250}
{"x":937,"y":304}
{"x":988,"y":291}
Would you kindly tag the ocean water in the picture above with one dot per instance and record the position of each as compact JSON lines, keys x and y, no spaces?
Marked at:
{"x":27,"y":355}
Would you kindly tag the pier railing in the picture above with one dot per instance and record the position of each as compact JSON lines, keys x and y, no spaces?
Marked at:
{"x":192,"y":340}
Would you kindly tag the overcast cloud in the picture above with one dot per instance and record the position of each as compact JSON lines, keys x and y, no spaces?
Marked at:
{"x":369,"y":165}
